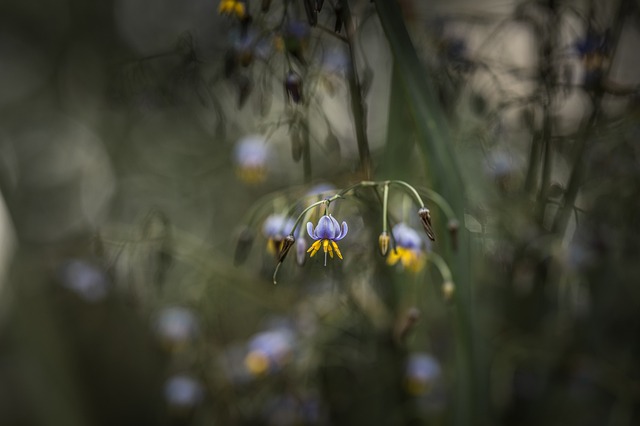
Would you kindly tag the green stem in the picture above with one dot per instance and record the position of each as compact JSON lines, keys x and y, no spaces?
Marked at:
{"x":411,"y":190}
{"x":436,"y":146}
{"x":385,"y":203}
{"x":355,"y":90}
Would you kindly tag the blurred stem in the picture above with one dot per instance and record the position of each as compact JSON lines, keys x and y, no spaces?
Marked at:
{"x":355,"y":90}
{"x":400,"y":134}
{"x":306,"y":147}
{"x":434,"y":142}
{"x":385,"y":204}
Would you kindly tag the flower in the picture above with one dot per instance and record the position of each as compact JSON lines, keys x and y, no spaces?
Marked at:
{"x":176,"y":326}
{"x":232,"y":7}
{"x":182,"y":391}
{"x":251,"y":154}
{"x":421,"y":372}
{"x":269,"y":351}
{"x":325,"y":235}
{"x":275,"y":228}
{"x":409,"y":248}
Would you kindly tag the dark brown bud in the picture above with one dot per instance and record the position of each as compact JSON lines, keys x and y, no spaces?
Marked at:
{"x":453,"y":226}
{"x":296,"y":145}
{"x":287,"y":243}
{"x":266,"y":4}
{"x":319,"y":4}
{"x":383,"y":243}
{"x":425,"y":218}
{"x":243,"y":246}
{"x":293,"y":86}
{"x":312,"y":14}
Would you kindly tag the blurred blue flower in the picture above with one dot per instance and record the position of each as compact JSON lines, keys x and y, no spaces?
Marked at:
{"x":325,"y":235}
{"x":421,"y":372}
{"x":182,"y":391}
{"x":269,"y":351}
{"x":275,"y":228}
{"x":409,"y":249}
{"x":176,"y":326}
{"x":251,"y":155}
{"x":85,"y":279}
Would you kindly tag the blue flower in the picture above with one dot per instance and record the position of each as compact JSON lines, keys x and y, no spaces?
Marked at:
{"x":325,"y":235}
{"x":409,"y":248}
{"x":275,"y":228}
{"x":269,"y":351}
{"x":422,"y":371}
{"x":251,"y":155}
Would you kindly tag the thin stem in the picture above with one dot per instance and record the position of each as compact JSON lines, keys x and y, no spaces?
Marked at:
{"x":441,"y":202}
{"x":385,"y":203}
{"x":412,"y":191}
{"x":442,"y":266}
{"x":357,"y":103}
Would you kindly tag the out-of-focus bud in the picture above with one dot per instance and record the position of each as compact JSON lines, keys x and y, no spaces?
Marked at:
{"x":301,"y":251}
{"x":453,"y":226}
{"x":244,"y":89}
{"x":425,"y":218}
{"x":319,"y":4}
{"x":286,"y":246}
{"x":296,"y":145}
{"x":407,"y":323}
{"x":293,"y":86}
{"x":339,"y":10}
{"x":383,"y":243}
{"x":265,"y":5}
{"x":448,"y":289}
{"x":312,"y":14}
{"x":243,"y":246}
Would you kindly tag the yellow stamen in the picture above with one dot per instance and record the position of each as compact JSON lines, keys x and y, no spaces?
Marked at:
{"x":314,"y":248}
{"x":335,"y":247}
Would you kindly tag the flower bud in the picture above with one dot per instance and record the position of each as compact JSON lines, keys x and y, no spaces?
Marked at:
{"x":296,"y":146}
{"x":293,"y":86}
{"x":425,"y":218}
{"x":453,"y":226}
{"x":383,"y":243}
{"x":266,"y":4}
{"x":312,"y":14}
{"x":319,"y":4}
{"x":448,"y":288}
{"x":301,"y":251}
{"x":287,"y":243}
{"x":243,"y":246}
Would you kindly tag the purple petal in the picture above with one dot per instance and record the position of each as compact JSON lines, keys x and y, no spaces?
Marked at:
{"x":343,"y":231}
{"x":324,"y":230}
{"x":310,"y":230}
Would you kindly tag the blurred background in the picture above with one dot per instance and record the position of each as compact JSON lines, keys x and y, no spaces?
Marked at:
{"x":154,"y":155}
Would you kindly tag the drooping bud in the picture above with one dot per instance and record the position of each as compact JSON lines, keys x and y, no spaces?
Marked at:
{"x":312,"y":14}
{"x":425,"y":218}
{"x":453,"y":226}
{"x":287,"y":243}
{"x":339,"y":10}
{"x":383,"y":243}
{"x":243,"y":246}
{"x":301,"y":251}
{"x":448,"y":289}
{"x":266,"y":4}
{"x":319,"y":4}
{"x":293,"y":86}
{"x":296,"y":146}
